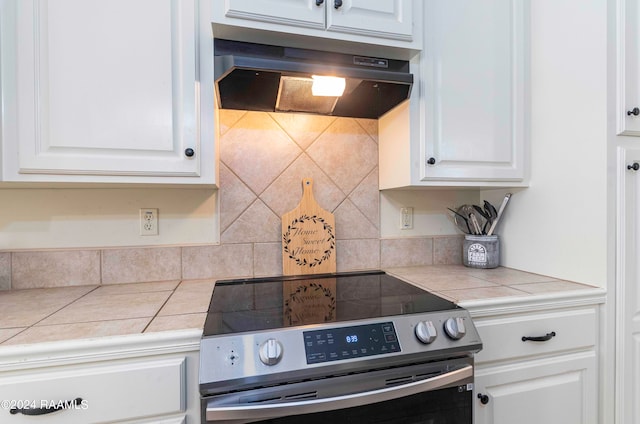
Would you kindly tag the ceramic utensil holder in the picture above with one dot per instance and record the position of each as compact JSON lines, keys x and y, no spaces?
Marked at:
{"x":481,"y":251}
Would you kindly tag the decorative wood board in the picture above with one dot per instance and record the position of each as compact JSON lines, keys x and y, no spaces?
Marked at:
{"x":308,"y":237}
{"x":309,"y":301}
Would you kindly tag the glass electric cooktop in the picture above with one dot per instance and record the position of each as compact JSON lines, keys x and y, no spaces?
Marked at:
{"x":278,"y":302}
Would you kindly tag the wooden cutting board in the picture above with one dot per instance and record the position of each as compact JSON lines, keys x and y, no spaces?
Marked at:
{"x":308,"y":237}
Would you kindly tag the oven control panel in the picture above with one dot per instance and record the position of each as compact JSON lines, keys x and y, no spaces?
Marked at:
{"x":356,"y":341}
{"x":230,"y":360}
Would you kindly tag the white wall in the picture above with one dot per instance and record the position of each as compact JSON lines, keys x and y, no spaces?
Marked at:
{"x":558,"y":226}
{"x":73,"y":218}
{"x":430,"y":214}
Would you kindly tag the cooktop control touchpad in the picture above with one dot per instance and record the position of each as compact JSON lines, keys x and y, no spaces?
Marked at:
{"x":334,"y":344}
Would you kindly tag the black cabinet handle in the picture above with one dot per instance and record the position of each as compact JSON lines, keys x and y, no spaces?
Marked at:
{"x":431,"y":161}
{"x":48,"y":409}
{"x":635,"y":112}
{"x":189,"y":152}
{"x":319,"y":2}
{"x":484,"y":399}
{"x":634,"y":167}
{"x":338,"y":4}
{"x":544,"y":338}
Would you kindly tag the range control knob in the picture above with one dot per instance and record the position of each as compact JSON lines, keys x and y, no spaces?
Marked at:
{"x":270,"y":352}
{"x":454,"y":327}
{"x":426,"y":332}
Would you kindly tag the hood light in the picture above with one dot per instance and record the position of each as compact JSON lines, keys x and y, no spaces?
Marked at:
{"x":327,"y":86}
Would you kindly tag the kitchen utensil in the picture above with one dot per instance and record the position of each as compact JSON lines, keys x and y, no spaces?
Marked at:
{"x":474,"y":223}
{"x":466,"y":210}
{"x":461,"y":222}
{"x":486,"y":215}
{"x":500,"y":212}
{"x":308,"y":237}
{"x":482,"y":212}
{"x":491,"y":213}
{"x":491,"y":210}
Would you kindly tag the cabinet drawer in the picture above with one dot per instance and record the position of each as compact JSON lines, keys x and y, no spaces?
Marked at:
{"x":110,"y":392}
{"x":502,"y":337}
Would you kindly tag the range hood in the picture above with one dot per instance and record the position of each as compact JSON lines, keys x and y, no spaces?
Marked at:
{"x":266,"y":78}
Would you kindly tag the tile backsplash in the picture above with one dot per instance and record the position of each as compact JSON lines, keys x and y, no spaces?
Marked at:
{"x":263,"y":159}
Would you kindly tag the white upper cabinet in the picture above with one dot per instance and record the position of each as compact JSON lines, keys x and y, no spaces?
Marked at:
{"x":106,"y":91}
{"x":304,"y":13}
{"x":382,"y":20}
{"x":628,"y":45}
{"x":374,"y":18}
{"x":466,"y":123}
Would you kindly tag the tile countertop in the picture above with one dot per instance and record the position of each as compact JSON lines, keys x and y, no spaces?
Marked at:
{"x":80,"y":312}
{"x":481,"y":288}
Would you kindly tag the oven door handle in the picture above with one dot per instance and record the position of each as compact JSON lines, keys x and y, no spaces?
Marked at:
{"x":274,"y":410}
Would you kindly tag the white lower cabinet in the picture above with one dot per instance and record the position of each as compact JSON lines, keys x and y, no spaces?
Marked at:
{"x":559,"y":390}
{"x":153,"y":388}
{"x":552,"y":381}
{"x":627,"y":346}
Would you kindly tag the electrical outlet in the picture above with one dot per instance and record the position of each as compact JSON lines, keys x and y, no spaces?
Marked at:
{"x":406,"y":218}
{"x":149,"y":222}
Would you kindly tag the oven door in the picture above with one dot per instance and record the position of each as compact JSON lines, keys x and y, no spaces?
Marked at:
{"x":433,"y":393}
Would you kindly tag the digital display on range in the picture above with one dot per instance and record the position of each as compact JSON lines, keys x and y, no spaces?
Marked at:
{"x":350,"y":342}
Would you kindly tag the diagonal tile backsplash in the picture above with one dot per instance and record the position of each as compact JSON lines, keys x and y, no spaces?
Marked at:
{"x":270,"y":154}
{"x":263,"y":159}
{"x":257,"y":150}
{"x":346,"y":152}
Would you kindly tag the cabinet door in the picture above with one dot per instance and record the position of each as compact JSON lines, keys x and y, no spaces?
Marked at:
{"x":108,"y":392}
{"x":375,"y":18}
{"x":305,"y":13}
{"x":629,"y":67}
{"x":475,"y":90}
{"x":628,"y":292}
{"x":559,"y":390}
{"x":106,"y":87}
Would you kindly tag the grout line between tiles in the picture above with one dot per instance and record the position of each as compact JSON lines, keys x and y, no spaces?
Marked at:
{"x":160,"y":308}
{"x":101,"y":266}
{"x":19,"y":332}
{"x":68,"y":304}
{"x":11,"y":270}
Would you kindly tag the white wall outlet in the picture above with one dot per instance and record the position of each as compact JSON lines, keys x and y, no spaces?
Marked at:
{"x":149,"y":222}
{"x":406,"y":218}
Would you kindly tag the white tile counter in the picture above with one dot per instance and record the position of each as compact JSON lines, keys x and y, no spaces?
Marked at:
{"x":66,"y":313}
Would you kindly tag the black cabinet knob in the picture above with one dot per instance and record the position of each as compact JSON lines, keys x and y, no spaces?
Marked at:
{"x":431,"y":161}
{"x":635,"y":112}
{"x":338,"y":4}
{"x":189,"y":152}
{"x":635,"y":166}
{"x":484,"y":399}
{"x":319,"y":2}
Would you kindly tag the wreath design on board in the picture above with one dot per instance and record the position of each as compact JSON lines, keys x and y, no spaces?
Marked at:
{"x":297,"y":297}
{"x":286,"y":240}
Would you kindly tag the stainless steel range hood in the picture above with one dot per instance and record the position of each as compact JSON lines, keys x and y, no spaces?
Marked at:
{"x":278,"y":79}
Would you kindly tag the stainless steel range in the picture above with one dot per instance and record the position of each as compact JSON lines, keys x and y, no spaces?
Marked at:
{"x":347,"y":347}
